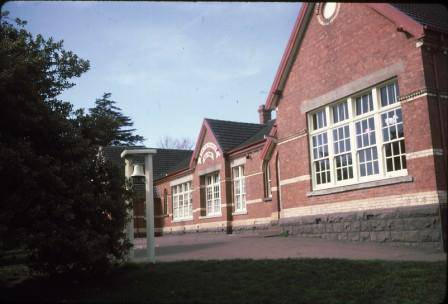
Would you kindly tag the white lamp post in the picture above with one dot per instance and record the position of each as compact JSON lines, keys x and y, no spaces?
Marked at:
{"x":138,"y":171}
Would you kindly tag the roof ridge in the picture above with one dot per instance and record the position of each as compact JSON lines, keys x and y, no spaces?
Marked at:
{"x":169,"y":149}
{"x":240,"y":122}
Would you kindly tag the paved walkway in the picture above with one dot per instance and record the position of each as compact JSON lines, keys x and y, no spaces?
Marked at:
{"x":204,"y":246}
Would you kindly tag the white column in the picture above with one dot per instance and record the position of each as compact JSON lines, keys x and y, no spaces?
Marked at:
{"x":130,"y":224}
{"x":150,"y":239}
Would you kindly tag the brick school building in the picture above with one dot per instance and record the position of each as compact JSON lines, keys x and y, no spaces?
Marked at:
{"x":358,"y":147}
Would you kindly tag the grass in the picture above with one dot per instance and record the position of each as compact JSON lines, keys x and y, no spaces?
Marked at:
{"x":248,"y":281}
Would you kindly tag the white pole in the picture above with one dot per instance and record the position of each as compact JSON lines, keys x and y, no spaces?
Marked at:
{"x":130,"y":224}
{"x":150,"y":239}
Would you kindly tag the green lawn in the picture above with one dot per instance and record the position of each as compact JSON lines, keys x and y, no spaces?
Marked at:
{"x":250,"y":281}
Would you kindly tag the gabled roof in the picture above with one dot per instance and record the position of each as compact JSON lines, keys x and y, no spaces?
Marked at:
{"x":260,"y":135}
{"x":165,"y":161}
{"x":113,"y":154}
{"x":168,"y":161}
{"x":411,"y":18}
{"x":432,"y":15}
{"x":231,"y":134}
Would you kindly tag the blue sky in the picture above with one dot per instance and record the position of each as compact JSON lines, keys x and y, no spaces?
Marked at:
{"x":169,"y":64}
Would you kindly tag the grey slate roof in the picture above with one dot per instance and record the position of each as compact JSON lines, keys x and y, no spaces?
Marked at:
{"x":232,"y":134}
{"x":113,"y":153}
{"x":259,"y":135}
{"x":432,"y":15}
{"x":165,"y":161}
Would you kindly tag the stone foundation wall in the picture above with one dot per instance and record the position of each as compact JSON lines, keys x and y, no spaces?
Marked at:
{"x":235,"y":230}
{"x":415,"y":226}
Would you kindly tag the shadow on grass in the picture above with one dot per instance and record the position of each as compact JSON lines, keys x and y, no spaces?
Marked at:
{"x":249,"y":281}
{"x":176,"y":249}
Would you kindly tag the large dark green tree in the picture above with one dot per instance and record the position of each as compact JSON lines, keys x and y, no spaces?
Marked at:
{"x":58,"y":200}
{"x":105,"y":124}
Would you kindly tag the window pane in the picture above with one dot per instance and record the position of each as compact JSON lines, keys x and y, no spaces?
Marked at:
{"x":393,"y":137}
{"x":340,"y":112}
{"x":389,"y":94}
{"x":364,"y":104}
{"x":344,"y":166}
{"x":322,"y":171}
{"x":384,"y":99}
{"x":319,"y":120}
{"x":368,"y":161}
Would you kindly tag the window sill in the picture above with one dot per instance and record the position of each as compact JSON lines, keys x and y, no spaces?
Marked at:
{"x":210,"y":216}
{"x":241,"y":212}
{"x":267,"y":199}
{"x":182,"y":220}
{"x":377,"y":183}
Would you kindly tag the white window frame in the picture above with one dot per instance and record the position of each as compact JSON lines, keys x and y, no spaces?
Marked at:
{"x":267,"y":179}
{"x":239,"y":188}
{"x":351,"y":121}
{"x":213,"y":194}
{"x":182,"y":200}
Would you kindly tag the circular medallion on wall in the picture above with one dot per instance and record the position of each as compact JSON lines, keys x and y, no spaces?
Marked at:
{"x":327,"y":12}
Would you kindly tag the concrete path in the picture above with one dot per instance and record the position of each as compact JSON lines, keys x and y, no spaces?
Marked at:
{"x":205,"y":246}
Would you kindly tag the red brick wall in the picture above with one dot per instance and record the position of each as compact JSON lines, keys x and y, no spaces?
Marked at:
{"x":254,"y":190}
{"x":357,"y":43}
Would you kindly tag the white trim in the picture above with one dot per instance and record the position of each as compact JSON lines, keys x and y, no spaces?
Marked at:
{"x":249,"y":222}
{"x":210,"y":216}
{"x":184,"y":219}
{"x":240,"y":181}
{"x":372,"y":116}
{"x":210,"y":208}
{"x":220,"y":224}
{"x":281,"y":142}
{"x":181,"y":180}
{"x":424,"y":153}
{"x":352,"y":87}
{"x":273,"y":189}
{"x":193,"y":227}
{"x":240,"y":212}
{"x":254,"y":201}
{"x":393,"y":201}
{"x":183,"y":191}
{"x":253,"y":174}
{"x":138,"y":151}
{"x":238,"y":161}
{"x":295,"y":179}
{"x":409,"y":99}
{"x":210,"y":169}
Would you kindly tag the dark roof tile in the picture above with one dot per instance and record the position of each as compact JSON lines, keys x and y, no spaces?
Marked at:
{"x":266,"y":128}
{"x":231,"y":134}
{"x":432,"y":15}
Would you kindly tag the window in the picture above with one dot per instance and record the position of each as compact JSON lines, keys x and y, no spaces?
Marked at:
{"x":267,"y":180}
{"x":239,"y":188}
{"x":182,"y":201}
{"x":329,"y":9}
{"x":393,"y":137}
{"x":319,"y":120}
{"x":165,"y":202}
{"x":212,"y":194}
{"x":358,"y":139}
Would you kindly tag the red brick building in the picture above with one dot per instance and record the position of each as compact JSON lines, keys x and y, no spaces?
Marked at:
{"x":358,"y":149}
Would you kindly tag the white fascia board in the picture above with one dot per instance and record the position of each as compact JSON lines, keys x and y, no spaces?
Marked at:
{"x":181,"y":180}
{"x":138,"y":151}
